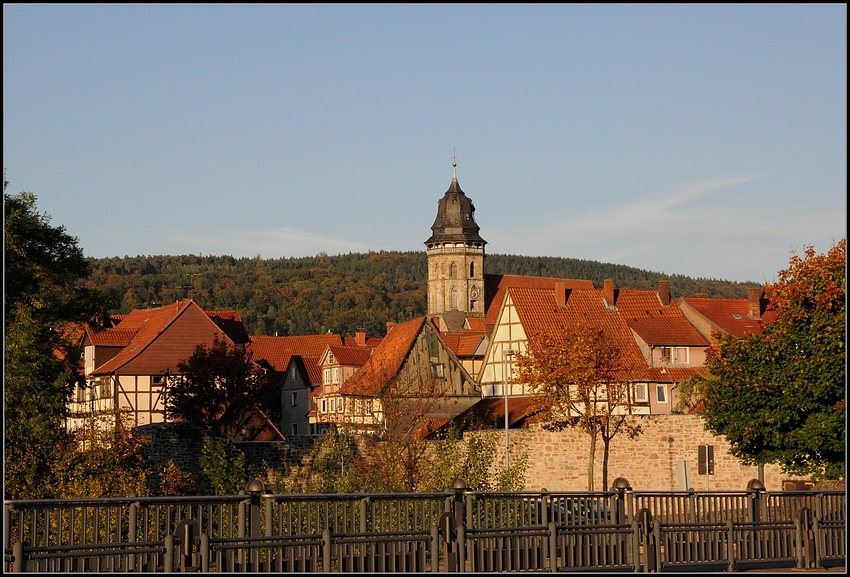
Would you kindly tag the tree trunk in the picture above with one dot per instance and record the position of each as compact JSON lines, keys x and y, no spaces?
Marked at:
{"x":590,"y":459}
{"x":606,"y":442}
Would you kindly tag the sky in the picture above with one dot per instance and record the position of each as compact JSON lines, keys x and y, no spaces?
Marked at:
{"x":708,"y":141}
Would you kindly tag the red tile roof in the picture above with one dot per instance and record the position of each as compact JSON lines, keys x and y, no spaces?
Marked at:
{"x":314,"y":371}
{"x":371,"y":342}
{"x":165,"y":336}
{"x":654,"y":323}
{"x":476,"y":324}
{"x":541,"y":315}
{"x":673,"y":374}
{"x":350,"y":356}
{"x":278,"y":350}
{"x":386,"y":360}
{"x":464,"y":343}
{"x":730,"y":315}
{"x":490,"y":412}
{"x":116,"y":337}
{"x":496,"y":285}
{"x":231,"y":323}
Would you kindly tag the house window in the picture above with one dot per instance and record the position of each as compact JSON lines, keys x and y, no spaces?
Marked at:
{"x":661,"y":393}
{"x":437,"y":370}
{"x":106,"y":389}
{"x":81,"y":394}
{"x":335,"y":375}
{"x":332,"y":405}
{"x":640,"y":393}
{"x":294,"y":399}
{"x":368,"y":404}
{"x":327,"y":376}
{"x":324,"y":408}
{"x":339,"y":405}
{"x":681,"y":355}
{"x":294,"y":428}
{"x":666,"y":353}
{"x":157,"y":380}
{"x":331,"y":358}
{"x":294,"y":374}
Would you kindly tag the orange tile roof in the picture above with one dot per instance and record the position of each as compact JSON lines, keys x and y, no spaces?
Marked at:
{"x":673,"y":374}
{"x":490,"y":412}
{"x":541,"y":315}
{"x":116,"y":337}
{"x":722,"y":313}
{"x":314,"y":371}
{"x":654,"y":323}
{"x":231,"y":323}
{"x":386,"y":360}
{"x":278,"y":350}
{"x":496,"y":285}
{"x":165,"y":336}
{"x":371,"y":342}
{"x":476,"y":324}
{"x":350,"y":356}
{"x":464,"y":343}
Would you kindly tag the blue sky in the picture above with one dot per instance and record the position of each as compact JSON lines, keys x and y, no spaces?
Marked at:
{"x":709,"y":141}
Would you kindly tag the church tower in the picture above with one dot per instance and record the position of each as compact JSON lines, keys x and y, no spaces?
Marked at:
{"x":455,"y":261}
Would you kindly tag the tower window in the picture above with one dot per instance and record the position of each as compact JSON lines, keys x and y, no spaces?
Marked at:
{"x":453,"y":271}
{"x":471,"y":269}
{"x":454,"y":298}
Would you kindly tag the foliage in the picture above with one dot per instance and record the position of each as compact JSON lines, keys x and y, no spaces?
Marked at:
{"x":103,"y":458}
{"x":218,"y":388}
{"x":472,"y":459}
{"x":177,"y":482}
{"x":780,"y":397}
{"x":311,"y":295}
{"x":223,"y":464}
{"x":580,"y":380}
{"x":43,"y":266}
{"x":333,"y":463}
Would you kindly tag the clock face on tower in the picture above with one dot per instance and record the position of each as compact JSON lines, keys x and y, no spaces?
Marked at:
{"x":474,"y":292}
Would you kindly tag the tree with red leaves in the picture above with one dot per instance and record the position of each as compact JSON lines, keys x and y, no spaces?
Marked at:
{"x":779,"y":397}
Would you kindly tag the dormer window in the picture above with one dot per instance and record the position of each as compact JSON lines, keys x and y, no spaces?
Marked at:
{"x":331,"y":359}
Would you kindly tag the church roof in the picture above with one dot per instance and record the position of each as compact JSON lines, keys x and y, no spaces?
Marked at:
{"x":455,"y":220}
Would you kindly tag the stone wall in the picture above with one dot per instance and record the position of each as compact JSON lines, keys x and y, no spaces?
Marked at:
{"x":558,"y":460}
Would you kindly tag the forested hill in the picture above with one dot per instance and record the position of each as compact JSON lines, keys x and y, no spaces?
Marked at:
{"x":296,"y":296}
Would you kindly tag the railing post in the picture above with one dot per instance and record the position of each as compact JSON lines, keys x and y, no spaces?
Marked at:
{"x":553,"y":546}
{"x":18,"y":557}
{"x":620,"y":485}
{"x":240,"y":520}
{"x":131,"y":531}
{"x":326,"y":550}
{"x":461,"y":548}
{"x":364,"y":502}
{"x":435,"y":549}
{"x":255,"y":488}
{"x":204,"y":553}
{"x":168,"y":562}
{"x":798,"y":534}
{"x":817,"y":541}
{"x":730,"y":544}
{"x":656,"y":545}
{"x":755,"y":489}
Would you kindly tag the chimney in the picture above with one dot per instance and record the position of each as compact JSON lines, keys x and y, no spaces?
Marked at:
{"x":664,"y":292}
{"x":756,"y":305}
{"x":390,"y":326}
{"x":360,"y":335}
{"x":561,"y":294}
{"x":608,"y":291}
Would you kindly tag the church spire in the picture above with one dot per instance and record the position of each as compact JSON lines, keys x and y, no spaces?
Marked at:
{"x":454,"y":165}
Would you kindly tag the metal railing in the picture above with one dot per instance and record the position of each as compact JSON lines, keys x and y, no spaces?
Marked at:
{"x":456,"y":530}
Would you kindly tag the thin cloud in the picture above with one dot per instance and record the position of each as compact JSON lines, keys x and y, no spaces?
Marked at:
{"x":279,"y":242}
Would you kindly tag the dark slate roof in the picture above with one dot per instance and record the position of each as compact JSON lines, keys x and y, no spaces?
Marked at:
{"x":455,"y":220}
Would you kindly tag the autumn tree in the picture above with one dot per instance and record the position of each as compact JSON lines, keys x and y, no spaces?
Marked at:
{"x":218,"y":388}
{"x":779,"y":396}
{"x":580,"y":379}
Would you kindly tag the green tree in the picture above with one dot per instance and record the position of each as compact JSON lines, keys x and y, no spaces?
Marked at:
{"x":43,"y":266}
{"x":223,"y":464}
{"x":218,"y":388}
{"x":779,"y":397}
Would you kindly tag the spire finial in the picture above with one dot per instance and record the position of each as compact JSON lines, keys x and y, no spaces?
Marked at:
{"x":454,"y":165}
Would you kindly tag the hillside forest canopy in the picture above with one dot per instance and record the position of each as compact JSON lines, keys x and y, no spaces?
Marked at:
{"x":343,"y":293}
